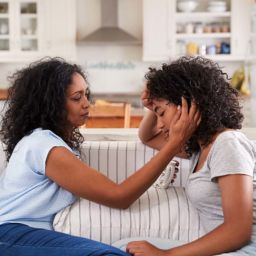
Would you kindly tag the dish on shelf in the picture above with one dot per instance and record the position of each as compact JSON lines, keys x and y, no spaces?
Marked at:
{"x":217,"y":3}
{"x":217,"y":6}
{"x":187,"y":6}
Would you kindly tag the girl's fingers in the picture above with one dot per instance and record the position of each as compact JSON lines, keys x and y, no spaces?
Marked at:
{"x":193,"y":109}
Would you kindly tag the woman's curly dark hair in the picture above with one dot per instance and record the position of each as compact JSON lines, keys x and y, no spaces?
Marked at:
{"x":37,"y":99}
{"x":203,"y":80}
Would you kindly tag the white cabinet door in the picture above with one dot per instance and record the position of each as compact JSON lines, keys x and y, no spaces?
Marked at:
{"x":7,"y":29}
{"x":167,"y":33}
{"x":32,"y":29}
{"x":156,"y":44}
{"x":240,"y":15}
{"x":24,"y":30}
{"x":61,"y":28}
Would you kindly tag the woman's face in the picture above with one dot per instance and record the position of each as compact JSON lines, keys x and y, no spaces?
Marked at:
{"x":77,"y":103}
{"x":165,"y":112}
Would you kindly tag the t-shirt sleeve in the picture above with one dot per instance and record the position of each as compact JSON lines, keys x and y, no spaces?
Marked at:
{"x":232,"y":156}
{"x":37,"y":148}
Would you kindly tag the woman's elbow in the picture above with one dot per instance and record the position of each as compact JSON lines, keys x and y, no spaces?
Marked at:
{"x":117,"y":199}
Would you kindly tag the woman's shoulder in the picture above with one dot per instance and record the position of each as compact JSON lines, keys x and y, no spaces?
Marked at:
{"x":40,"y":133}
{"x":40,"y":137}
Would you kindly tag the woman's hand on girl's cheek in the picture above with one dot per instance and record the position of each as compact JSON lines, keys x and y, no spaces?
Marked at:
{"x":143,"y":248}
{"x":185,"y":121}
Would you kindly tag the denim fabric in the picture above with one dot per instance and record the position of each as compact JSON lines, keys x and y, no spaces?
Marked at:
{"x":22,"y":240}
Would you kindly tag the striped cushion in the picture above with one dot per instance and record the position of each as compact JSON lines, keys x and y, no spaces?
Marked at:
{"x":164,"y":213}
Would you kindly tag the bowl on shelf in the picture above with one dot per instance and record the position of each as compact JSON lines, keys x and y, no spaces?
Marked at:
{"x":217,"y":6}
{"x":187,"y":6}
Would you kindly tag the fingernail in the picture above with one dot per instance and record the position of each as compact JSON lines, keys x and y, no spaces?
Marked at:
{"x":178,"y":107}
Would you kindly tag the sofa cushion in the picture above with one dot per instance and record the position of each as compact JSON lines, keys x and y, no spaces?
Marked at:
{"x":163,"y":213}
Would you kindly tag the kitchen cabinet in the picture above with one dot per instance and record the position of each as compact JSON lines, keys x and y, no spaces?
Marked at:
{"x":220,"y":35}
{"x":253,"y":32}
{"x":31,"y":29}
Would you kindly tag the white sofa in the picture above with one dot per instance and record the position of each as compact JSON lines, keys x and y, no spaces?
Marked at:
{"x":164,"y":213}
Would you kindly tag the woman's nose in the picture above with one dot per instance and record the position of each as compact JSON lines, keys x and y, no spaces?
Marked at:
{"x":86,"y":102}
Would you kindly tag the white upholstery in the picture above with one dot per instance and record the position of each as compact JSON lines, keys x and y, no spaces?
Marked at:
{"x":158,"y":213}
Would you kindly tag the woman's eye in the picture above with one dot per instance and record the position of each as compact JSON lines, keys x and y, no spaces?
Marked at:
{"x":77,"y":98}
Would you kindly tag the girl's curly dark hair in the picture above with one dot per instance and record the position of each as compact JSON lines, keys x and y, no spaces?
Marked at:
{"x":203,"y":80}
{"x":37,"y":98}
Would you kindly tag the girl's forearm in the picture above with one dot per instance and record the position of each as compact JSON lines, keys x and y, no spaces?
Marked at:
{"x":148,"y":126}
{"x":225,"y":238}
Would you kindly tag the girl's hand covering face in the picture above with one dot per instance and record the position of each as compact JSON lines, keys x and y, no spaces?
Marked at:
{"x":141,"y":248}
{"x":185,"y":121}
{"x":146,"y":101}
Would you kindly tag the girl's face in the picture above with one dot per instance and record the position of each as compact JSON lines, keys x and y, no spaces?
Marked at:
{"x":77,"y":103}
{"x":165,"y":112}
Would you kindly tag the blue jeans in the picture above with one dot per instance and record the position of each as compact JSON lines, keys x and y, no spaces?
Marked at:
{"x":22,"y":240}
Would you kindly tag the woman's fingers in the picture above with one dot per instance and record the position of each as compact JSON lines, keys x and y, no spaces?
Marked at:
{"x":177,"y":115}
{"x":184,"y":108}
{"x":185,"y":121}
{"x":193,"y":109}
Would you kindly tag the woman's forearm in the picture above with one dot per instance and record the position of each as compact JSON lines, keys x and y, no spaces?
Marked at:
{"x":135,"y":185}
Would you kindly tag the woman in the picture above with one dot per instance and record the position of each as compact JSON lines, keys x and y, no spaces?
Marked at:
{"x":49,"y":100}
{"x":222,"y":182}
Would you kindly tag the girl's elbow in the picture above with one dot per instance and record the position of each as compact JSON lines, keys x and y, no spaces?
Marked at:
{"x":244,"y":236}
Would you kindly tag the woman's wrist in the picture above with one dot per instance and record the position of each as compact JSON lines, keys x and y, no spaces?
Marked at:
{"x":176,"y":143}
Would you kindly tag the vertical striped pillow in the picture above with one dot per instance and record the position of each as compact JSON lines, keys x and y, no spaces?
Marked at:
{"x":164,"y":213}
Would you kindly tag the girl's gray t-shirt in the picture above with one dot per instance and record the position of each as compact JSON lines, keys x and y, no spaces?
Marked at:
{"x":231,"y":153}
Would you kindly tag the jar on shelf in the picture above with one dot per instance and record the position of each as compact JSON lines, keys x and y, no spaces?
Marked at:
{"x":211,"y":49}
{"x":225,"y":48}
{"x":191,"y":48}
{"x":202,"y":49}
{"x":189,"y":28}
{"x":225,"y":28}
{"x":207,"y":28}
{"x":199,"y":29}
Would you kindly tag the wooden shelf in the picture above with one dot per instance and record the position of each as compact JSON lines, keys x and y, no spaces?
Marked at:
{"x":202,"y":35}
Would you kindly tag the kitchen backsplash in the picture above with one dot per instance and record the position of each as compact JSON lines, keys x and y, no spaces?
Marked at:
{"x":115,"y":76}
